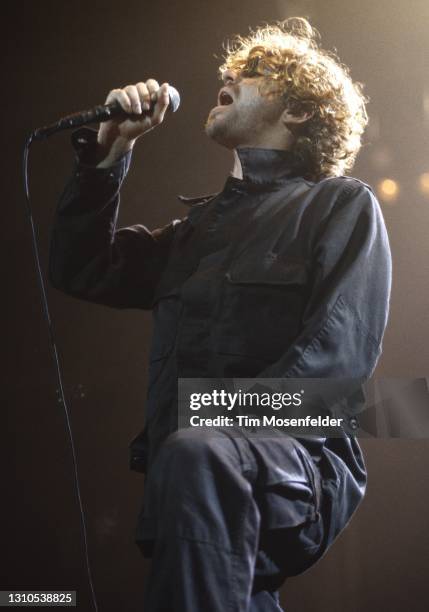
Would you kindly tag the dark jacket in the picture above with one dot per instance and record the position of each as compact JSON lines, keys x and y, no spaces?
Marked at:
{"x":275,"y":276}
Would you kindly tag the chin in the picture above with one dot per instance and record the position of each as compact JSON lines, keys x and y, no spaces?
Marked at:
{"x":219,"y":132}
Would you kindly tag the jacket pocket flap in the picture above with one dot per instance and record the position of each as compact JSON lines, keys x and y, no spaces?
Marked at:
{"x":270,"y":269}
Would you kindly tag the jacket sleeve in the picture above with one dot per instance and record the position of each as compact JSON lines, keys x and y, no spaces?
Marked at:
{"x":89,"y":258}
{"x":350,"y":281}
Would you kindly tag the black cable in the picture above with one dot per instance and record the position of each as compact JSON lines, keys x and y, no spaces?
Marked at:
{"x":53,"y":347}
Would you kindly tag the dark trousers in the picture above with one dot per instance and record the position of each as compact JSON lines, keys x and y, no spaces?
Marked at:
{"x":226,"y":518}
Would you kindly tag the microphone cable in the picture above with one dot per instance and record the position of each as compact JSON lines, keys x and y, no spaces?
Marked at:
{"x":57,"y":366}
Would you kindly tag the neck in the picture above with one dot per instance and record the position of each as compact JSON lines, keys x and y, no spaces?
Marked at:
{"x":237,"y":170}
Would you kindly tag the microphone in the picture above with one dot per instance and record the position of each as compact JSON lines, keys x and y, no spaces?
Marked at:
{"x":103,"y":112}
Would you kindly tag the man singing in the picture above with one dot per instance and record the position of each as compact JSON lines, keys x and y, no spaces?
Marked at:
{"x":285,"y":273}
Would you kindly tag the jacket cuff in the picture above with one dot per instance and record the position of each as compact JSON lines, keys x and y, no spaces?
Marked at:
{"x":84,"y":142}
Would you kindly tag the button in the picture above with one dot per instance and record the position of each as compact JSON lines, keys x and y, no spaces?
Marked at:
{"x":353,"y":422}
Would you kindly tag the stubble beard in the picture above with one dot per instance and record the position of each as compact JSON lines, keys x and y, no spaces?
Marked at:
{"x":223,"y":130}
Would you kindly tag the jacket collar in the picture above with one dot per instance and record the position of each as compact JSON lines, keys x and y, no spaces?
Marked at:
{"x":261,"y":168}
{"x":265,"y":166}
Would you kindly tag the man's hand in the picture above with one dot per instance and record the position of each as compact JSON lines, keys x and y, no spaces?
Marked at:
{"x":117,"y":136}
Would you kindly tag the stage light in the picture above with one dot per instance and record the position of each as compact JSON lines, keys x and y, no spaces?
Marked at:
{"x":424,"y":183}
{"x":388,"y":190}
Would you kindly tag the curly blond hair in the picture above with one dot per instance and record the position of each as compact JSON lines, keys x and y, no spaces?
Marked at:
{"x":309,"y":79}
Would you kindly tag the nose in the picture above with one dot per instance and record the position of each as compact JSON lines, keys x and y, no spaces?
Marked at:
{"x":229,"y":76}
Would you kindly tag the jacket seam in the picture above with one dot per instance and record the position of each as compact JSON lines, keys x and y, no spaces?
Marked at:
{"x":310,"y":345}
{"x":361,"y":325}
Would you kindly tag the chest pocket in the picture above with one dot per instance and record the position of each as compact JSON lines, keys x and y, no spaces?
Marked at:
{"x":262,"y":305}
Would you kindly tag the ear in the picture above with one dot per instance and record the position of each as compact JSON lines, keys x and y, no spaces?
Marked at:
{"x":289,"y":119}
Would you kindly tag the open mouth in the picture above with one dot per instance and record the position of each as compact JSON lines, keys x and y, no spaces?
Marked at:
{"x":224,"y":98}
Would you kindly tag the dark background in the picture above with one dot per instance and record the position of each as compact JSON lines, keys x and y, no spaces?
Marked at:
{"x":60,"y":57}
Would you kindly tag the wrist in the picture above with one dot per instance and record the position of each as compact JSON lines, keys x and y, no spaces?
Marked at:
{"x":110,"y":151}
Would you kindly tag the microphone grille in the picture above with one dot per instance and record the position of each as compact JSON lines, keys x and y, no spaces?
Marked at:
{"x":174,"y":98}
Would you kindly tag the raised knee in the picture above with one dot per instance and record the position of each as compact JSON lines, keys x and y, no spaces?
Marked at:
{"x":193,"y":445}
{"x":188,"y":450}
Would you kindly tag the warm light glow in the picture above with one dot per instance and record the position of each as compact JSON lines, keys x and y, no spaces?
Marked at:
{"x":424,"y":183}
{"x":381,"y":157}
{"x":388,"y":190}
{"x":426,"y":106}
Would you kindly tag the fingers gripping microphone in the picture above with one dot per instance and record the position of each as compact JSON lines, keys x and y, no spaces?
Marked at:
{"x":99,"y":114}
